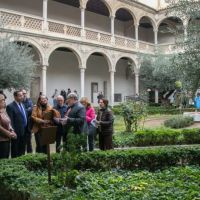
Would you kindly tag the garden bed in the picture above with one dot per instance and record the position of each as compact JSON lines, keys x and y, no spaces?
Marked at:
{"x":144,"y":173}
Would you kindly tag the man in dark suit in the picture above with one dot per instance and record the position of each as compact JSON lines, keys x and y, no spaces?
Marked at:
{"x":18,"y":116}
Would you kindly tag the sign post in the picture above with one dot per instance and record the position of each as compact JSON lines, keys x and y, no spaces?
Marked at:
{"x":48,"y":136}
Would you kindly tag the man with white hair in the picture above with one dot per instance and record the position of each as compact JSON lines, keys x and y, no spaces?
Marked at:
{"x":61,"y":132}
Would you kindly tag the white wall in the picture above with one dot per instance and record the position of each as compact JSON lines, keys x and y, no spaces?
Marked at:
{"x":63,"y":72}
{"x":26,"y":6}
{"x":97,"y":71}
{"x":64,"y":13}
{"x":123,"y":84}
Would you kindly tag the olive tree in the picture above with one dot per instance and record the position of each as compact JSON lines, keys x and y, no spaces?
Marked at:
{"x":17,"y":65}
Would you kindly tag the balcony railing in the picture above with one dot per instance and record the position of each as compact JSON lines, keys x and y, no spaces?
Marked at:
{"x":28,"y":23}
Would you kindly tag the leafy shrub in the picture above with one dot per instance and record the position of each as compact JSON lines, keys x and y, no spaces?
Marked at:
{"x":152,"y":137}
{"x":152,"y":110}
{"x":143,"y":158}
{"x":179,"y":122}
{"x":133,"y":112}
{"x":116,"y":110}
{"x":191,"y":136}
{"x":124,"y":139}
{"x":19,"y":183}
{"x":171,"y":184}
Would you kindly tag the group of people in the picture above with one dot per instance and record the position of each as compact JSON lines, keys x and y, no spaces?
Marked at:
{"x":19,"y":119}
{"x":62,"y":93}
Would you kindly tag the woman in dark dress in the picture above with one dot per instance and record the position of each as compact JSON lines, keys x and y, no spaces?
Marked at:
{"x":104,"y":122}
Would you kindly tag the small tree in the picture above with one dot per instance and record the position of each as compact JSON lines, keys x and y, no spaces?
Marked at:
{"x":133,"y":112}
{"x":157,"y":73}
{"x":187,"y":61}
{"x":16,"y":64}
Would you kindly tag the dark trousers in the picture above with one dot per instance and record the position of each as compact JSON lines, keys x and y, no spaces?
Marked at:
{"x":39,"y":148}
{"x":29,"y":148}
{"x":4,"y":149}
{"x":91,"y":134}
{"x":60,"y":134}
{"x":18,"y":146}
{"x":105,"y":141}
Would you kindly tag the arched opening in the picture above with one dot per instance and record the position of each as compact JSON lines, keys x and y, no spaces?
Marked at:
{"x":97,"y":77}
{"x":192,"y":29}
{"x":145,"y":30}
{"x":63,"y":71}
{"x":124,"y":23}
{"x":97,"y":15}
{"x":169,"y":29}
{"x":124,"y":79}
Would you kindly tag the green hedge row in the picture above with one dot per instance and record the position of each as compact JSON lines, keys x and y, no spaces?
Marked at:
{"x":167,"y":110}
{"x":151,"y":158}
{"x":152,"y":110}
{"x":157,"y":137}
{"x":26,"y":177}
{"x":144,"y":158}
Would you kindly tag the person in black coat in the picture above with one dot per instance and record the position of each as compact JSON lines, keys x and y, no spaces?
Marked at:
{"x":75,"y":117}
{"x":104,"y":122}
{"x":61,"y":132}
{"x":18,"y":117}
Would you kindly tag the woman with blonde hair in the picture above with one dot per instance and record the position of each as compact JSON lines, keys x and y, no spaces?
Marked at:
{"x":90,"y":116}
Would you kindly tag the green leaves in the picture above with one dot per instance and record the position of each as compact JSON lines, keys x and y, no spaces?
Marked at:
{"x":179,"y":121}
{"x":133,"y":112}
{"x":17,"y":64}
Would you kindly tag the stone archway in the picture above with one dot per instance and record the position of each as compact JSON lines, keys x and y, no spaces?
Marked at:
{"x":63,"y":71}
{"x":124,"y":78}
{"x":97,"y":76}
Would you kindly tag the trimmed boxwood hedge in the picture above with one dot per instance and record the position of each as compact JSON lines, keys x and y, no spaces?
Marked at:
{"x":153,"y":110}
{"x":141,"y":158}
{"x":26,"y":177}
{"x":157,"y":137}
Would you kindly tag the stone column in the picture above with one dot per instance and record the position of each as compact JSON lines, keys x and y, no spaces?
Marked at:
{"x":112,"y":78}
{"x":185,"y":26}
{"x":155,"y":36}
{"x":82,"y":81}
{"x":136,"y":35}
{"x":82,"y":21}
{"x":45,"y":24}
{"x":44,"y":79}
{"x":112,"y":18}
{"x":137,"y":83}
